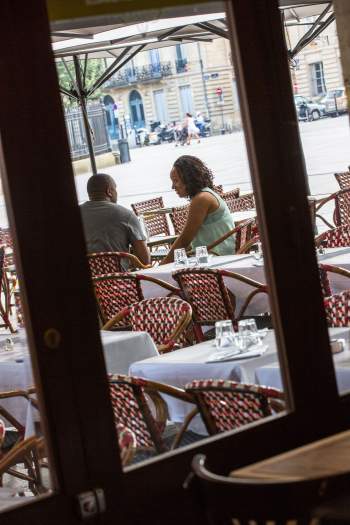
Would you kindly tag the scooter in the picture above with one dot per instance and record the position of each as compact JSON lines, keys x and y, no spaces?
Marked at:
{"x":166,"y":134}
{"x":204,"y":127}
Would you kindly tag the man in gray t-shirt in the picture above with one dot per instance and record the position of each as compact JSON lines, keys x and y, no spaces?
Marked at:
{"x":108,"y":226}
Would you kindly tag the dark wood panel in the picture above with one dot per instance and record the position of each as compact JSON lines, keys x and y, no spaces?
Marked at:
{"x":54,"y":276}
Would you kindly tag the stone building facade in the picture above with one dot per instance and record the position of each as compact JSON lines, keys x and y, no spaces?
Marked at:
{"x":163,"y":84}
{"x":317,"y":68}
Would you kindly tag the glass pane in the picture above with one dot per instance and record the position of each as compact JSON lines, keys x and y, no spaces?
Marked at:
{"x":324,"y":131}
{"x":164,"y":167}
{"x":24,"y":467}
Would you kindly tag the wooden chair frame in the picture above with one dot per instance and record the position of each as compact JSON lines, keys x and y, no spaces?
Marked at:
{"x":136,"y":263}
{"x":224,"y":499}
{"x":336,"y":196}
{"x":343,"y":179}
{"x":249,"y":223}
{"x":156,"y":422}
{"x":28,"y":452}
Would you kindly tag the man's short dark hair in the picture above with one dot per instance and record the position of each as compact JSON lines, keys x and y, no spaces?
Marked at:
{"x":99,"y":184}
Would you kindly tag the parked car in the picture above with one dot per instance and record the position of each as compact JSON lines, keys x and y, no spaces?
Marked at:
{"x":336,"y":102}
{"x":307,"y":109}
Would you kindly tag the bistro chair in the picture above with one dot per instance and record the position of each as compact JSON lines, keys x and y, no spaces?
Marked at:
{"x":230,"y":197}
{"x":226,"y":405}
{"x":334,"y":238}
{"x":157,"y":223}
{"x":5,"y":296}
{"x":343,"y":179}
{"x":324,"y":270}
{"x":238,"y":500}
{"x":111,"y":262}
{"x":205,"y":290}
{"x":220,"y":190}
{"x":341,"y":213}
{"x":243,"y":233}
{"x":178,"y":217}
{"x":28,"y":453}
{"x":337,"y":308}
{"x":6,"y":238}
{"x":127,"y":443}
{"x":138,"y":406}
{"x":164,"y":318}
{"x":115,"y":291}
{"x":240,"y":202}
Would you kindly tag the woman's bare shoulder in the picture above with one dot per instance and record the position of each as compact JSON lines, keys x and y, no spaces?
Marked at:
{"x":204,"y":198}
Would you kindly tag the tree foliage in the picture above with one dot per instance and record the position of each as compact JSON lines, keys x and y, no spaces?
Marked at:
{"x":94,"y":69}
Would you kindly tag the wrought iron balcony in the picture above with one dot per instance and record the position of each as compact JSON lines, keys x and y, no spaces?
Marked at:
{"x":134,"y":75}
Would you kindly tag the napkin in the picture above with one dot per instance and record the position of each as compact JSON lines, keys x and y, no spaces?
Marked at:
{"x":233,"y":355}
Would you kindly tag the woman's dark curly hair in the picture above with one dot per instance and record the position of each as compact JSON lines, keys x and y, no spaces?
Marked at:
{"x":194,"y":174}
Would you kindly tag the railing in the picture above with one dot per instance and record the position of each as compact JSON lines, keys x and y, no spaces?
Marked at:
{"x":76,"y":132}
{"x":181,"y":65}
{"x":132,"y":75}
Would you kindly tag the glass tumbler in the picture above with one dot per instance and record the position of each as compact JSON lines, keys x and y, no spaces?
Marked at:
{"x":224,"y":335}
{"x":202,"y":255}
{"x":180,"y":257}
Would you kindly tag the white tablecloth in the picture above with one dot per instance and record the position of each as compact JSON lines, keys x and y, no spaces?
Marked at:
{"x":182,"y":366}
{"x":270,"y":375}
{"x":245,"y":265}
{"x":121,"y":349}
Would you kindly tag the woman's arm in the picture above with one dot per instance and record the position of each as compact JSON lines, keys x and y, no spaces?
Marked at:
{"x":200,"y":206}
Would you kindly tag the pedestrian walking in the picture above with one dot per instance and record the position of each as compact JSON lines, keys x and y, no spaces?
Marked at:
{"x":192,"y":130}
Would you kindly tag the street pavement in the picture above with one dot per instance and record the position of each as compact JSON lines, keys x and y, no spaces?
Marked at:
{"x":326,"y":145}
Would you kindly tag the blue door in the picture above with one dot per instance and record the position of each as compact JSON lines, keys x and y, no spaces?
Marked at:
{"x":137,"y":114}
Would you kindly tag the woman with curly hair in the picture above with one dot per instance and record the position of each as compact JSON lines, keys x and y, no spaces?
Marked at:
{"x":209,"y":217}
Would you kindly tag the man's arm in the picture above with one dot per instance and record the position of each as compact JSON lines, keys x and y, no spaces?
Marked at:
{"x":140,"y":249}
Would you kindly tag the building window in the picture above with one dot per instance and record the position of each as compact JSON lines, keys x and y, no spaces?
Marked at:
{"x":317,"y":78}
{"x":160,"y":106}
{"x":186,"y":99}
{"x":181,"y":60}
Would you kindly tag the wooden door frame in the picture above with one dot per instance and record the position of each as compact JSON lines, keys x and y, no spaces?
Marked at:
{"x":62,"y":322}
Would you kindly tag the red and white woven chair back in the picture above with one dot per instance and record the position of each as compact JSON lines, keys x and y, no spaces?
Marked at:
{"x":105,"y":262}
{"x":342,"y":208}
{"x":343,"y":179}
{"x":246,"y":231}
{"x":226,"y":405}
{"x":325,"y":283}
{"x":151,"y":204}
{"x":179,"y":217}
{"x":337,"y":237}
{"x":159,"y":317}
{"x":156,"y":224}
{"x":337,"y":309}
{"x":2,"y":431}
{"x":6,"y":237}
{"x":131,"y":410}
{"x":240,"y":203}
{"x":206,"y":292}
{"x":116,"y":291}
{"x":230,"y":197}
{"x":220,"y":190}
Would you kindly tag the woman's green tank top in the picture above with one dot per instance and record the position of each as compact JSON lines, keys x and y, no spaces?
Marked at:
{"x":214,"y":226}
